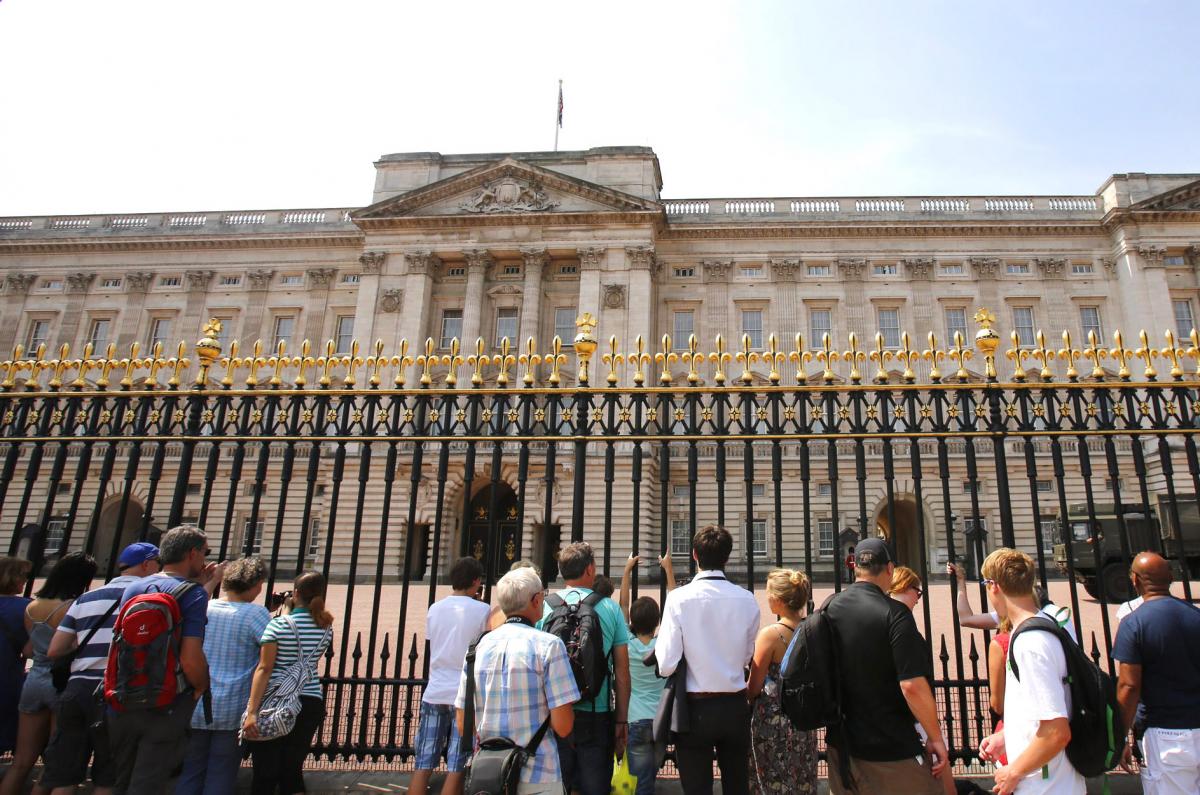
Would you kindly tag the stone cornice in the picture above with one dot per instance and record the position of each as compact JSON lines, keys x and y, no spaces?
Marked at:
{"x":76,"y":245}
{"x":876,"y":230}
{"x":657,"y":218}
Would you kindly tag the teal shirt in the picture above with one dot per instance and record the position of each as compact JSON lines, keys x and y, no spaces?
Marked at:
{"x":612,"y":623}
{"x":647,"y":686}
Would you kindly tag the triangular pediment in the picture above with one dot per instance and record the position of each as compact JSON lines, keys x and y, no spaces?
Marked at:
{"x":506,"y":188}
{"x":1185,"y":197}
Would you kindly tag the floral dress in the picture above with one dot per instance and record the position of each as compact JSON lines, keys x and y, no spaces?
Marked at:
{"x":783,"y":759}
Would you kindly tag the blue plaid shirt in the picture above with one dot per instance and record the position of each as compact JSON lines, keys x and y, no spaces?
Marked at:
{"x":231,"y":646}
{"x":520,"y":675}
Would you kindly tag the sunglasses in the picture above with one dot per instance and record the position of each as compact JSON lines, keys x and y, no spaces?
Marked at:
{"x":919,"y":591}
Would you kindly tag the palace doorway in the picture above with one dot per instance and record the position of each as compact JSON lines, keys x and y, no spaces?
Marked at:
{"x":493,"y":531}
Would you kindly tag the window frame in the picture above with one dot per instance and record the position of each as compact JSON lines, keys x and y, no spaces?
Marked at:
{"x":1017,"y":327}
{"x":515,"y":317}
{"x":1176,"y":303}
{"x":1098,"y":327}
{"x":759,"y":548}
{"x":32,"y":344}
{"x":950,"y":329}
{"x":680,"y":341}
{"x":762,"y":322}
{"x":276,"y":337}
{"x":568,"y":339}
{"x":445,"y":339}
{"x":824,"y":551}
{"x":890,"y":343}
{"x":155,"y":334}
{"x":93,"y":325}
{"x":680,"y":543}
{"x":814,"y":338}
{"x":338,"y":334}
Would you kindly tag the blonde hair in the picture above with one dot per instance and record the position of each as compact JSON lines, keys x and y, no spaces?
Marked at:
{"x":1012,"y":570}
{"x":903,"y":578}
{"x":310,"y":589}
{"x":790,"y":587}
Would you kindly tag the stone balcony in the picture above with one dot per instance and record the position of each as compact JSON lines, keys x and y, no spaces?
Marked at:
{"x":886,"y":208}
{"x":236,"y":222}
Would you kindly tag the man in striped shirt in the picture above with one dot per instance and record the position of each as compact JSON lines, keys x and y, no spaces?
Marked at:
{"x":74,"y":739}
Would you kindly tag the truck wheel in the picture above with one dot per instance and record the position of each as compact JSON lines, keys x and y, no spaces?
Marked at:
{"x":1089,"y":585}
{"x":1117,"y":587}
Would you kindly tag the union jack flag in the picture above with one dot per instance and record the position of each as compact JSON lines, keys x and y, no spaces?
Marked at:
{"x":560,"y":103}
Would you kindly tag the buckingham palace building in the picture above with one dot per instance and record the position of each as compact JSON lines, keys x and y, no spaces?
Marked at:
{"x":452,"y":249}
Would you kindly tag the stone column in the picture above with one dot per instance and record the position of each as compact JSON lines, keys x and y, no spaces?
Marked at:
{"x":1061,"y":314}
{"x":418,"y":290}
{"x":642,"y":309}
{"x":1145,"y":293}
{"x":136,"y":285}
{"x":17,"y":288}
{"x":78,"y":285}
{"x":536,"y":259}
{"x":713,"y":319}
{"x":591,"y":263}
{"x":319,"y":280}
{"x":855,"y":316}
{"x":196,"y":283}
{"x":478,"y":262}
{"x":985,"y":270}
{"x":367,"y":297}
{"x":256,"y":306}
{"x":786,"y":320}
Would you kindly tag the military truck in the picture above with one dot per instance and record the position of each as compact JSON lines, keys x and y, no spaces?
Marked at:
{"x":1147,"y":529}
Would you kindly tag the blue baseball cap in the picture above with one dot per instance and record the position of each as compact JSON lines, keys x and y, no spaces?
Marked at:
{"x":137,"y":554}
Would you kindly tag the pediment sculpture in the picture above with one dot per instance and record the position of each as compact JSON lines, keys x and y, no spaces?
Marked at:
{"x":509,"y":195}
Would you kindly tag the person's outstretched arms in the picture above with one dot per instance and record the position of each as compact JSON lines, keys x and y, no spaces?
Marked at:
{"x":668,"y":570}
{"x":626,"y":577}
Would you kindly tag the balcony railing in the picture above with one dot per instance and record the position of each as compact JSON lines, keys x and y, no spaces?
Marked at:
{"x":865,"y":207}
{"x":137,"y":224}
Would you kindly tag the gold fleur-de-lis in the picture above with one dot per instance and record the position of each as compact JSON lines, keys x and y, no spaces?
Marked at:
{"x":36,"y":366}
{"x":477,"y":360}
{"x":107,"y":364}
{"x":230,"y":363}
{"x":881,"y":357}
{"x":1147,"y":353}
{"x":178,"y":363}
{"x":1094,"y":353}
{"x":774,"y":359}
{"x":959,"y":353}
{"x":1122,"y":355}
{"x":1173,"y":353}
{"x":694,"y":359}
{"x":352,"y":361}
{"x":1069,"y":354}
{"x":1043,"y":356}
{"x":375,"y":363}
{"x":427,"y":361}
{"x":613,"y":359}
{"x":452,"y":360}
{"x":327,"y":363}
{"x":402,"y":362}
{"x":155,"y":362}
{"x":60,"y":366}
{"x":800,"y":357}
{"x":556,"y":359}
{"x":530,"y":361}
{"x":1016,"y":354}
{"x":255,"y":361}
{"x":665,"y":358}
{"x":720,"y":358}
{"x":12,"y":366}
{"x":827,"y":356}
{"x":302,"y":362}
{"x":1193,"y":351}
{"x":908,"y":356}
{"x":746,"y":357}
{"x":504,"y":360}
{"x":278,"y":362}
{"x":855,"y":357}
{"x":934,"y":355}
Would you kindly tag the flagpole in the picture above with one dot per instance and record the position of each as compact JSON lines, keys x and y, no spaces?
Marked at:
{"x":558,"y":116}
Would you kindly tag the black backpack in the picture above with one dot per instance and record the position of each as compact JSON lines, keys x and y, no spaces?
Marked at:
{"x":811,"y":688}
{"x":1097,"y":729}
{"x":578,"y":627}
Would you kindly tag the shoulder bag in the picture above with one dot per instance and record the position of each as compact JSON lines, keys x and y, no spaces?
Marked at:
{"x":281,"y":704}
{"x":60,"y":669}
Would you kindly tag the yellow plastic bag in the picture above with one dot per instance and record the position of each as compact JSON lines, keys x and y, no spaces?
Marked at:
{"x":623,"y":782}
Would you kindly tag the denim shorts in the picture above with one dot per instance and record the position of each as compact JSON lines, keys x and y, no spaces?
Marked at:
{"x":437,"y":734}
{"x":38,"y":693}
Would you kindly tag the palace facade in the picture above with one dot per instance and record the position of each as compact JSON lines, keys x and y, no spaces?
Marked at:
{"x":460,"y":247}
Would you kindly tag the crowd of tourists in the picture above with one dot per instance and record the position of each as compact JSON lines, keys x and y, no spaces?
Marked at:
{"x":147,"y":679}
{"x":555,"y":692}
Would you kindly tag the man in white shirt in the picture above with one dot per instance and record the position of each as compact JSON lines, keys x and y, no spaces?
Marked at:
{"x":1037,"y":706}
{"x":712,"y":623}
{"x":452,"y":625}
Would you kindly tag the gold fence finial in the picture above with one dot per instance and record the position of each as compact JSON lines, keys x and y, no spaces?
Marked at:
{"x":585,"y":345}
{"x":1070,"y":355}
{"x":1173,"y":353}
{"x":82,"y":365}
{"x":1045,"y":356}
{"x":880,"y":356}
{"x":504,"y":360}
{"x":107,"y":364}
{"x":155,"y":362}
{"x":402,"y":362}
{"x":277,"y":363}
{"x":665,"y":358}
{"x":208,"y":348}
{"x":352,"y":361}
{"x":934,"y":355}
{"x":1147,"y":353}
{"x":720,"y":358}
{"x":61,"y":364}
{"x":613,"y":359}
{"x":855,"y":357}
{"x":11,"y":367}
{"x":452,"y":361}
{"x":747,"y":357}
{"x":529,"y":360}
{"x":694,"y":360}
{"x":987,"y":341}
{"x":800,"y":357}
{"x":131,"y":365}
{"x":1122,"y":355}
{"x":426,"y":362}
{"x":960,"y":354}
{"x":1094,"y":353}
{"x":908,"y":356}
{"x":1016,"y":355}
{"x":774,"y":358}
{"x":827,"y":356}
{"x":639,"y":359}
{"x":477,"y":360}
{"x":375,"y":363}
{"x":557,"y":359}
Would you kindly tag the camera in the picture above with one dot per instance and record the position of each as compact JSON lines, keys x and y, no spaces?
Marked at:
{"x":276,"y":600}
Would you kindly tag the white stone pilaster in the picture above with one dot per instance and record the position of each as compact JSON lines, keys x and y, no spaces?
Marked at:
{"x":478,"y":262}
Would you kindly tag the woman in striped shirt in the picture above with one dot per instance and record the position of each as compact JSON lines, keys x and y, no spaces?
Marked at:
{"x":278,"y":763}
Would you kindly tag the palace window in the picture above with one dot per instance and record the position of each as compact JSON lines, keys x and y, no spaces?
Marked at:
{"x":758,"y":538}
{"x":256,"y":547}
{"x":39,"y":331}
{"x":568,"y":270}
{"x":1047,"y":525}
{"x":1174,"y":261}
{"x":512,"y":270}
{"x":56,"y":529}
{"x":889,"y":326}
{"x":51,"y":284}
{"x":351,"y":278}
{"x":506,"y":325}
{"x":229,"y":281}
{"x":455,"y":271}
{"x":824,"y":489}
{"x":343,"y":333}
{"x":1017,"y":268}
{"x":314,"y":537}
{"x":752,"y":325}
{"x":681,"y":492}
{"x":683,"y":326}
{"x":825,"y":539}
{"x":1184,"y":319}
{"x":686,"y":272}
{"x":752,"y":272}
{"x":820,"y":323}
{"x":886,"y":269}
{"x":98,"y":333}
{"x":291,"y":280}
{"x":820,"y":270}
{"x":1045,"y":486}
{"x":971,"y":487}
{"x":1023,"y":324}
{"x":1081,"y":268}
{"x":952,"y":269}
{"x":285,"y":327}
{"x":170,"y":281}
{"x":452,"y":321}
{"x":956,"y":322}
{"x":758,"y":489}
{"x":110,"y":284}
{"x":564,"y":325}
{"x":160,"y":332}
{"x":1089,"y":321}
{"x":681,"y":538}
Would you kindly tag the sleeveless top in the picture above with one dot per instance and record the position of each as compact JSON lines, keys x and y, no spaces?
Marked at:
{"x":41,"y":634}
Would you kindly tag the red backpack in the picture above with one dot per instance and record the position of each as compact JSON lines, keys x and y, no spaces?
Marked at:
{"x":143,"y":661}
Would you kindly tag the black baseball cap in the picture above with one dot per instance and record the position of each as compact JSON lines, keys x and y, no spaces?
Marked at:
{"x":876,"y":549}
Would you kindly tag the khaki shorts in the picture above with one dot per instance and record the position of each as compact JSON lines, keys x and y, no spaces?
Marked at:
{"x":903,"y":777}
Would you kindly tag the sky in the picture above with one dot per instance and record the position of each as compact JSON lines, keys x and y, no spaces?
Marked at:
{"x":127,"y":106}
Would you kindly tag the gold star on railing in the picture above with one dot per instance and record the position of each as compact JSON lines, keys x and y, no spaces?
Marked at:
{"x":816,"y":413}
{"x":872,"y":412}
{"x":56,"y":417}
{"x":331,"y":415}
{"x":8,"y":417}
{"x":981,"y":411}
{"x":256,"y":416}
{"x":680,"y":415}
{"x":177,"y":416}
{"x":206,"y":416}
{"x":706,"y":414}
{"x":461,"y":415}
{"x":567,"y":415}
{"x":1144,"y":408}
{"x":434,"y":415}
{"x":408,"y":415}
{"x":1171,"y":409}
{"x":624,"y":414}
{"x":486,"y":415}
{"x":539,"y":415}
{"x":1064,"y":410}
{"x":789,"y":413}
{"x":735,"y":414}
{"x":952,"y":412}
{"x":898,"y":412}
{"x":844,"y":413}
{"x":1039,"y":410}
{"x":128,"y":418}
{"x":1119,"y":410}
{"x":762,"y":413}
{"x":1092,"y":411}
{"x":513,"y":415}
{"x":652,"y":415}
{"x":1196,"y":407}
{"x":155,"y":416}
{"x":1011,"y":410}
{"x":597,"y":415}
{"x":926,"y":411}
{"x":383,"y":416}
{"x":34,"y":416}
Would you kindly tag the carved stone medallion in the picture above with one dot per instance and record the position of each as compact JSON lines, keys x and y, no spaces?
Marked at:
{"x":391,"y":300}
{"x":509,"y":195}
{"x":614,"y":296}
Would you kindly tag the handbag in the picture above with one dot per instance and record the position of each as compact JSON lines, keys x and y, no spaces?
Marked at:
{"x":281,"y":704}
{"x":60,"y":669}
{"x":495,"y":768}
{"x":623,"y":782}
